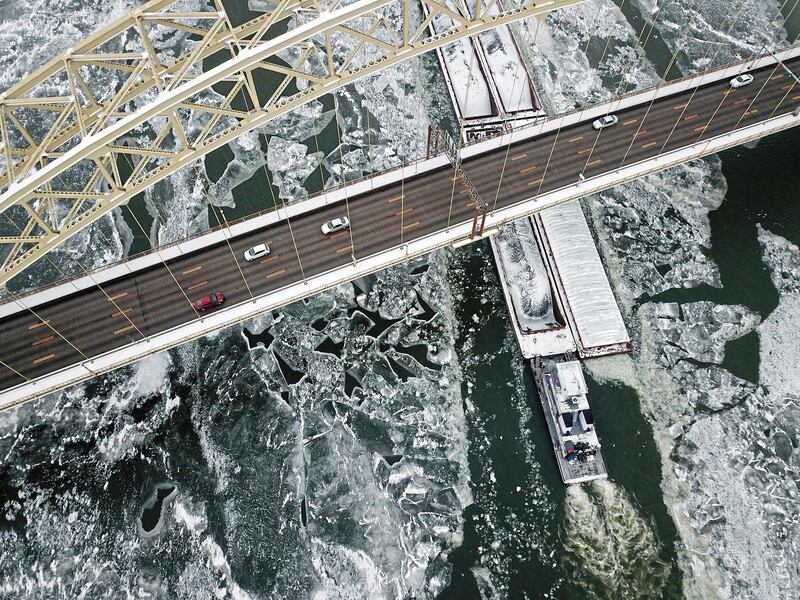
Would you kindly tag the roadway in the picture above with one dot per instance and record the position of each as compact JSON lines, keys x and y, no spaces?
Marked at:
{"x":96,"y":320}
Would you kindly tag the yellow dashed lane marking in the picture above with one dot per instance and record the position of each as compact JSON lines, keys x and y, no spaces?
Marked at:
{"x":412,"y":225}
{"x":119,"y":313}
{"x":269,"y":259}
{"x":776,"y":77}
{"x":796,"y":97}
{"x":41,"y":359}
{"x":395,"y":199}
{"x":742,"y":101}
{"x":117,"y":296}
{"x":37,"y":325}
{"x":630,"y":121}
{"x":701,"y":128}
{"x":680,"y":106}
{"x":752,"y":111}
{"x":641,"y":132}
{"x":594,"y":162}
{"x":194,"y":286}
{"x":192,"y":270}
{"x":403,"y":212}
{"x":649,"y":145}
{"x":343,"y":250}
{"x":43,"y":340}
{"x":336,"y":236}
{"x":535,"y":182}
{"x":528,"y":169}
{"x":691,"y":117}
{"x":124,"y":329}
{"x":788,"y":86}
{"x":276,"y":273}
{"x":519,"y":157}
{"x":575,"y":139}
{"x":584,"y":151}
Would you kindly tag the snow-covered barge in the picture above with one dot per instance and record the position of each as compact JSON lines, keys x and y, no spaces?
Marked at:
{"x":489,"y":85}
{"x":558,"y":296}
{"x":536,"y":312}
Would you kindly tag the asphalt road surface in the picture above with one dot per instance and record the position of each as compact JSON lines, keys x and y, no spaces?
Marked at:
{"x":88,"y":323}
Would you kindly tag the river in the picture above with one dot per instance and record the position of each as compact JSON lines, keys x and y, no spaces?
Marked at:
{"x":384,"y":439}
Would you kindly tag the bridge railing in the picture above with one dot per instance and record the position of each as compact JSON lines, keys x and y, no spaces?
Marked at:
{"x":272,"y":209}
{"x":219,"y":227}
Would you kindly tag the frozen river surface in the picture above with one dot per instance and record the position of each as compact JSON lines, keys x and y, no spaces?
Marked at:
{"x":381,"y":440}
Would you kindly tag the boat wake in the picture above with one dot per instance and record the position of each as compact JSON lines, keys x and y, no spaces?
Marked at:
{"x":610,"y":547}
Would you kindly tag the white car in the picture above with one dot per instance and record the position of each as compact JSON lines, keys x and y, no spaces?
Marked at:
{"x":741,"y":80}
{"x":337,"y":224}
{"x":607,"y":121}
{"x":256,"y":252}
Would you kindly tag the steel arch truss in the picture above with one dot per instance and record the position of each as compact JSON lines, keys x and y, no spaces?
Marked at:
{"x":120,"y":112}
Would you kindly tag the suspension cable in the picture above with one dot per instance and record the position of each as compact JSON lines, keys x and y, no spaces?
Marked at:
{"x":12,"y":369}
{"x":788,"y":91}
{"x":678,"y":49}
{"x":510,"y":137}
{"x":47,"y":323}
{"x":608,"y":40}
{"x":454,"y":178}
{"x":610,"y":104}
{"x":727,"y":92}
{"x":218,"y":212}
{"x":155,"y":248}
{"x":344,"y":180}
{"x":272,"y":192}
{"x":85,"y":273}
{"x":749,"y":106}
{"x":596,"y":26}
{"x":402,"y":168}
{"x":158,"y":253}
{"x":622,"y":86}
{"x":734,"y":21}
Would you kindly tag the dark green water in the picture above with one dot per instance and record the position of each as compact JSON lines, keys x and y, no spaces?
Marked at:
{"x":763,"y":188}
{"x":508,"y":437}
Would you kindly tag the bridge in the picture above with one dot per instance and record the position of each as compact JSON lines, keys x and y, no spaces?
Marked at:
{"x":91,"y":324}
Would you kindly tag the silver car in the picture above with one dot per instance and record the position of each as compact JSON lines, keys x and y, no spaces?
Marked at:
{"x":256,"y":252}
{"x":607,"y":121}
{"x":741,"y":80}
{"x":337,"y":224}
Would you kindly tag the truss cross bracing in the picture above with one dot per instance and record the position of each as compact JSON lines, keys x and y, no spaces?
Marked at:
{"x":118,"y":113}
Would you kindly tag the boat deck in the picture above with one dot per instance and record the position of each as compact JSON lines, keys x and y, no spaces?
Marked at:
{"x":576,"y":471}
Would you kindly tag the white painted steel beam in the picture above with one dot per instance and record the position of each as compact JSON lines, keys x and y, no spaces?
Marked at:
{"x":66,"y":154}
{"x":109,"y":272}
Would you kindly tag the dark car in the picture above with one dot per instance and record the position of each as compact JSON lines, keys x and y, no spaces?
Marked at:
{"x":209,"y":301}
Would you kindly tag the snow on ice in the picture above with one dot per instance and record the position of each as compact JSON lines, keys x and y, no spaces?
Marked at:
{"x":711,"y":426}
{"x":530,"y":286}
{"x":358,"y":466}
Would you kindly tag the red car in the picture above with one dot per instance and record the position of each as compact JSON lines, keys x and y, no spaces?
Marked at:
{"x":209,"y":301}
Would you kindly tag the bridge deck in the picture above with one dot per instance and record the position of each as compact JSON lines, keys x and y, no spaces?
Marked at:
{"x":153,"y":302}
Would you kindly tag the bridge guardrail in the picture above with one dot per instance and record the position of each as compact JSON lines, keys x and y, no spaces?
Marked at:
{"x":220,"y":227}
